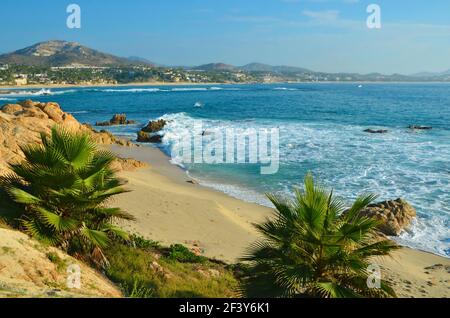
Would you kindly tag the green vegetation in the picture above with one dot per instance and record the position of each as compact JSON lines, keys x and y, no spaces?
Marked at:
{"x":312,"y":246}
{"x":140,"y":242}
{"x":153,"y":272}
{"x":313,"y":249}
{"x":182,"y":254}
{"x":137,"y":290}
{"x":115,"y":74}
{"x":58,"y":261}
{"x":62,"y":189}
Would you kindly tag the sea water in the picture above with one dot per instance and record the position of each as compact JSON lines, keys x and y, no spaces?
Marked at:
{"x":321,"y":130}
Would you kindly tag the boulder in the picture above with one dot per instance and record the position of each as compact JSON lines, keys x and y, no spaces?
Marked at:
{"x":154,"y":126}
{"x":394,"y":215}
{"x":28,"y":103}
{"x":53,"y":112}
{"x":116,"y":120}
{"x":127,"y":164}
{"x":12,"y":109}
{"x":33,"y":112}
{"x":416,"y":127}
{"x":376,"y":131}
{"x":142,"y":136}
{"x":105,"y":137}
{"x":22,"y":123}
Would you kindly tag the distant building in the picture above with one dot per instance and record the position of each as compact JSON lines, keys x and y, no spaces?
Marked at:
{"x":20,"y":81}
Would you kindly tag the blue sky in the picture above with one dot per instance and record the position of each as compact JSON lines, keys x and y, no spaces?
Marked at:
{"x":323,"y":35}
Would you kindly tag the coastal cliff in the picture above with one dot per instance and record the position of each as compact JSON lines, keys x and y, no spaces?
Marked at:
{"x":22,"y":123}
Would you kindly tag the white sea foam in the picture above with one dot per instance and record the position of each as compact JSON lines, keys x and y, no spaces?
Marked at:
{"x":146,"y":90}
{"x":79,"y":112}
{"x":41,"y":92}
{"x":61,"y":92}
{"x":188,"y":89}
{"x":343,"y":157}
{"x":238,"y":192}
{"x":285,"y":89}
{"x":130,"y":90}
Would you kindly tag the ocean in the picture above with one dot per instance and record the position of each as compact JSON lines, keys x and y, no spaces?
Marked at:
{"x":321,"y":130}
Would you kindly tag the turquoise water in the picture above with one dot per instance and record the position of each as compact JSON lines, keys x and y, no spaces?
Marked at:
{"x":321,"y":130}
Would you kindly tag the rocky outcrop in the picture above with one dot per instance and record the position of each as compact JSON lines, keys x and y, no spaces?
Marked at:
{"x":149,"y":132}
{"x":146,"y":137}
{"x":116,"y":120}
{"x":394,"y":215}
{"x":416,"y":127}
{"x":22,"y":123}
{"x":127,"y":164}
{"x":33,"y":270}
{"x":154,"y":126}
{"x":376,"y":131}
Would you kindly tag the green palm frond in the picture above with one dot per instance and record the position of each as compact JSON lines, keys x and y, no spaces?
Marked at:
{"x":23,"y":197}
{"x":77,"y":149}
{"x":380,"y":248}
{"x":57,"y":222}
{"x":39,"y":231}
{"x":360,"y":203}
{"x":117,"y":231}
{"x":97,"y":238}
{"x":333,"y":290}
{"x":114,"y":213}
{"x":312,"y":248}
{"x":61,"y":190}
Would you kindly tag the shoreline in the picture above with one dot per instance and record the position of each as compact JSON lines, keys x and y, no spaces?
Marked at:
{"x":171,"y":210}
{"x":153,"y":84}
{"x":36,"y":86}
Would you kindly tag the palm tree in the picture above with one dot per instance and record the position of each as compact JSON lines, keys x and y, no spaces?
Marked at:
{"x":312,"y":247}
{"x":63,"y":186}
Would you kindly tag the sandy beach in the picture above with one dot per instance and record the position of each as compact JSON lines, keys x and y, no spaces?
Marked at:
{"x":170,"y":209}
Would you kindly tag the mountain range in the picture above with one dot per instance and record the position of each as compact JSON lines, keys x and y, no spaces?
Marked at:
{"x":252,"y":67}
{"x":62,"y":53}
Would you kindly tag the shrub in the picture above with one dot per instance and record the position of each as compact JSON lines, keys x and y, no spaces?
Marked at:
{"x":62,"y":189}
{"x":182,"y":254}
{"x":311,"y":248}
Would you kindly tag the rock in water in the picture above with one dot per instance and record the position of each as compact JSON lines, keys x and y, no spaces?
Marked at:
{"x":376,"y":131}
{"x":116,"y":120}
{"x":154,"y":126}
{"x":142,"y":136}
{"x":394,"y":215}
{"x":416,"y":127}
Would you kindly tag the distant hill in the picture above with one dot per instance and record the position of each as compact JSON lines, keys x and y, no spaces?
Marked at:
{"x":259,"y":67}
{"x":252,"y":67}
{"x":62,"y":53}
{"x":142,"y":60}
{"x":432,"y":74}
{"x":215,"y":67}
